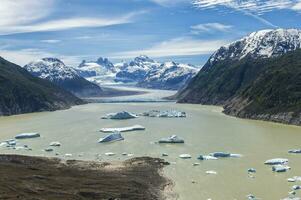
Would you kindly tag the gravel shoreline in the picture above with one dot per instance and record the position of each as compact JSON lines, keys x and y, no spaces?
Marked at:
{"x":27,"y":177}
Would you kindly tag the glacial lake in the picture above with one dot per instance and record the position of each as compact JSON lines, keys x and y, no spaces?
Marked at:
{"x":206,"y":129}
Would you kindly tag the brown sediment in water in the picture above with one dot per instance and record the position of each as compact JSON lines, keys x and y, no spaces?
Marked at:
{"x":25,"y":177}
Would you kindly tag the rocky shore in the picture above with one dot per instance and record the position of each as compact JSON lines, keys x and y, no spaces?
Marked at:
{"x":25,"y":177}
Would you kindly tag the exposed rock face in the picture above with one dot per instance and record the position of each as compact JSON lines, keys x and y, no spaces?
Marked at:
{"x":23,"y":93}
{"x":257,"y":77}
{"x":57,"y":72}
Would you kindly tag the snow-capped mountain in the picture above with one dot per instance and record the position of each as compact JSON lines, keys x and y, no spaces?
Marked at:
{"x":101,"y":71}
{"x":142,"y":71}
{"x":260,"y":44}
{"x":169,"y":75}
{"x":136,"y":70}
{"x":56,"y":71}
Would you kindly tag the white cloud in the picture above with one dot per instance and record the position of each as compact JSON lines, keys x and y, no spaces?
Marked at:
{"x":254,"y":6}
{"x":64,"y":24}
{"x":210,"y":27}
{"x":168,"y":2}
{"x":24,"y":56}
{"x":23,"y":16}
{"x":176,"y":47}
{"x":297,"y":6}
{"x":17,"y":12}
{"x":51,"y":41}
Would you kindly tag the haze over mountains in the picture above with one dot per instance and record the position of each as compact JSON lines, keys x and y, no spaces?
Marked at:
{"x":256,"y":77}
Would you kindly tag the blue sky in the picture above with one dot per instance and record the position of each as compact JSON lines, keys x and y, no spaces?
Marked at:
{"x":181,"y":30}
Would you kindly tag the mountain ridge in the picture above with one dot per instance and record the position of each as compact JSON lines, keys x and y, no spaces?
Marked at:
{"x":23,"y":93}
{"x":233,"y":81}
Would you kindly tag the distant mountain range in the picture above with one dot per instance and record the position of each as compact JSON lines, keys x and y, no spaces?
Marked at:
{"x":23,"y":93}
{"x":257,"y":77}
{"x":142,"y":71}
{"x":68,"y":78}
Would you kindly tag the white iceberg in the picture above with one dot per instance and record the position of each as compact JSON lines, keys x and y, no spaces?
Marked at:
{"x":295,"y":151}
{"x":294,"y":179}
{"x":211,"y":172}
{"x":220,"y":154}
{"x":296,"y":187}
{"x":171,"y":139}
{"x":280,"y":168}
{"x":111,"y":138}
{"x":165,"y":113}
{"x":27,"y":135}
{"x":276,"y":161}
{"x":55,"y":144}
{"x":123,"y":129}
{"x":207,"y":157}
{"x":120,"y":115}
{"x":109,"y":154}
{"x":48,"y":149}
{"x":185,"y":156}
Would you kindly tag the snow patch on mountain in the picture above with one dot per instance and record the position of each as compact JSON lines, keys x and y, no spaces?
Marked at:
{"x":260,"y":44}
{"x":51,"y":69}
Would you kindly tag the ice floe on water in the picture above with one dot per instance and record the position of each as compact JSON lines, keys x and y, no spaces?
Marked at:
{"x":164,"y":113}
{"x":211,"y":172}
{"x":276,"y":161}
{"x":295,"y":151}
{"x":185,"y":156}
{"x":111,"y":138}
{"x":294,"y":179}
{"x":171,"y":139}
{"x":27,"y":135}
{"x":280,"y":168}
{"x":55,"y":144}
{"x":110,"y":154}
{"x":123,"y":129}
{"x":120,"y":115}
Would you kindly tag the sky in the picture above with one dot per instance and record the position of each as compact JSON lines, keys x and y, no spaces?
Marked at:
{"x":187,"y":31}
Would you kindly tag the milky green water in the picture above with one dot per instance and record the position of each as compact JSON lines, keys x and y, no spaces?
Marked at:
{"x":205,"y":130}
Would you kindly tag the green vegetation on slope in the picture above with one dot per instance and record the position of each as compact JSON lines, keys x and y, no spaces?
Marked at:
{"x":20,"y":92}
{"x":249,"y":88}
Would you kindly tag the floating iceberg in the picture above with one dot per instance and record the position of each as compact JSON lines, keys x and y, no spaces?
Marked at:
{"x":48,"y":149}
{"x":295,"y":151}
{"x":9,"y":143}
{"x":120,"y":115}
{"x":185,"y":156}
{"x":123,"y":129}
{"x":251,"y":170}
{"x":211,"y":172}
{"x":296,"y":187}
{"x":251,"y":197}
{"x":220,"y":154}
{"x":171,"y":139}
{"x":165,"y":113}
{"x":276,"y":161}
{"x":27,"y":135}
{"x":280,"y":168}
{"x":109,"y":154}
{"x":112,"y":137}
{"x":294,"y":179}
{"x":201,"y":157}
{"x":55,"y":144}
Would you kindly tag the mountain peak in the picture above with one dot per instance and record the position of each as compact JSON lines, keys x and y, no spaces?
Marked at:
{"x":143,"y":58}
{"x":50,"y":59}
{"x":260,"y":44}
